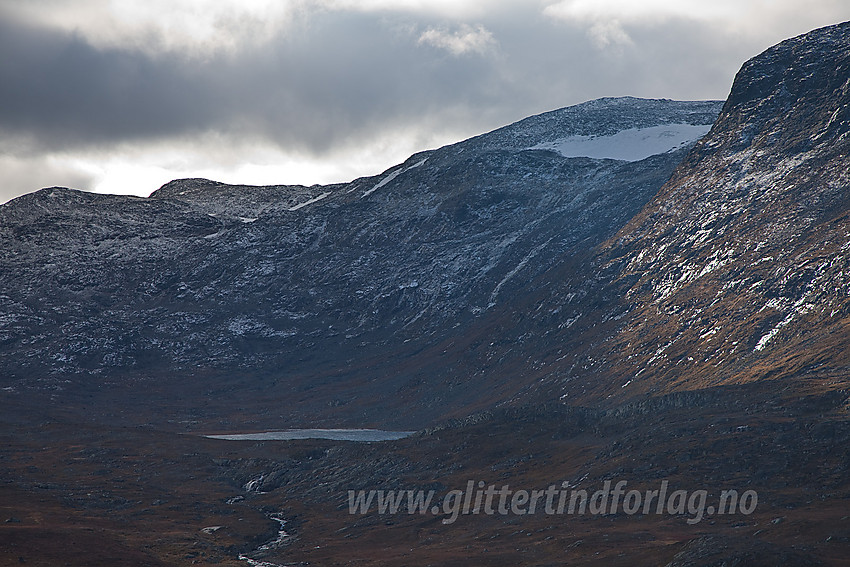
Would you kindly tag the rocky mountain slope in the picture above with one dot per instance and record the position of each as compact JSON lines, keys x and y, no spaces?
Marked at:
{"x":506,"y":267}
{"x":738,"y":269}
{"x":275,"y":282}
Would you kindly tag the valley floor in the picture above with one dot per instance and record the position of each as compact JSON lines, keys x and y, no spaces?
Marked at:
{"x":81,"y":494}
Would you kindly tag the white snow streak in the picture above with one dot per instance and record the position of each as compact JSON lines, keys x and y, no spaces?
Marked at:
{"x":513,"y":272}
{"x":310,"y":202}
{"x":392,"y":176}
{"x":799,"y":308}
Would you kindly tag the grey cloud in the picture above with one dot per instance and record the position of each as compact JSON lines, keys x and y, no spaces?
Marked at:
{"x":339,"y":78}
{"x":347,"y":74}
{"x":62,"y":91}
{"x":22,"y":175}
{"x":466,"y":39}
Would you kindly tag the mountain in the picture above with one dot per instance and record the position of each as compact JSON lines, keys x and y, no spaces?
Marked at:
{"x":282,"y":288}
{"x":551,"y":307}
{"x":737,"y":270}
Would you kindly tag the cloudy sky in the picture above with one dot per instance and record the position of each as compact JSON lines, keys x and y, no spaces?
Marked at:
{"x":123,"y":96}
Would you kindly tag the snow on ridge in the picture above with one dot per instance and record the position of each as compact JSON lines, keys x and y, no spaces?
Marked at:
{"x":633,"y":144}
{"x":310,"y":202}
{"x":392,"y":176}
{"x":382,"y":182}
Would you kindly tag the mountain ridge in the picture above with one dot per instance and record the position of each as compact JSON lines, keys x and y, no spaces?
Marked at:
{"x":583,"y":279}
{"x":249,"y":279}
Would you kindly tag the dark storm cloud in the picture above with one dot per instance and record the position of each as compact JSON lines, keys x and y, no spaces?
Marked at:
{"x":59,"y":90}
{"x":350,"y":73}
{"x":335,"y":78}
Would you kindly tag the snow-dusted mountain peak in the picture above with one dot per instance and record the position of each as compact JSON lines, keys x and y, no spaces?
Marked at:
{"x":604,"y":117}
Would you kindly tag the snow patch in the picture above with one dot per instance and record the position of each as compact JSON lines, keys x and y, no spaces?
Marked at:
{"x":799,"y":308}
{"x":633,"y":144}
{"x":310,"y":202}
{"x":392,"y":176}
{"x":211,"y":529}
{"x":512,"y":273}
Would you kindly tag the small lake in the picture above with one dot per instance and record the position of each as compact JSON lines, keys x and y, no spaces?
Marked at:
{"x":361,"y":435}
